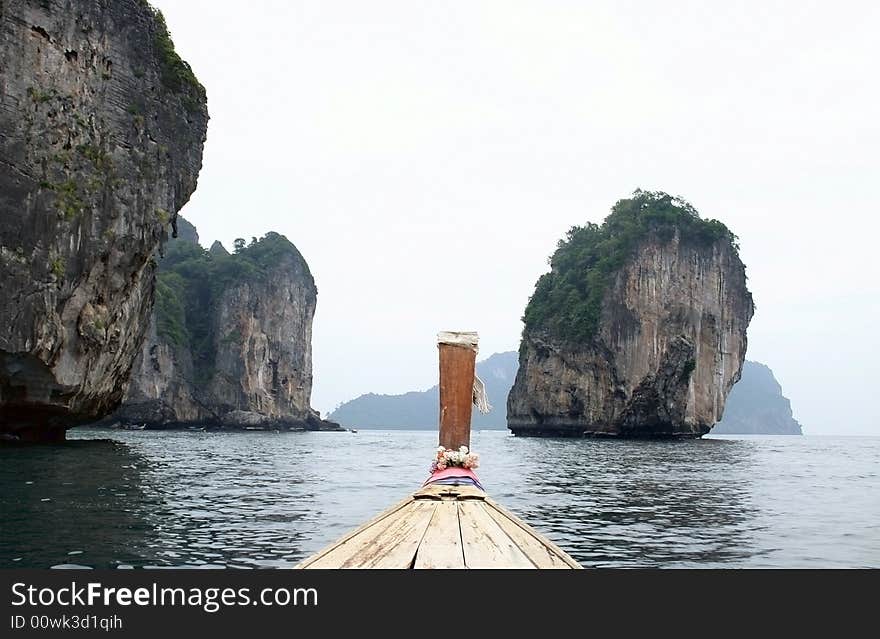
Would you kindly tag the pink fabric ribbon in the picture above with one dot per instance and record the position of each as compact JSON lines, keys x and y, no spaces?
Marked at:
{"x":448,"y":473}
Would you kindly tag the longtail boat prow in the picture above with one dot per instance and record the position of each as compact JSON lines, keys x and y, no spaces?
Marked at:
{"x":449,"y":522}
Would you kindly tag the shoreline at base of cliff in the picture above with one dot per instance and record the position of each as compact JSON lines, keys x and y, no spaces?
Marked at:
{"x":579,"y":433}
{"x":245,"y":422}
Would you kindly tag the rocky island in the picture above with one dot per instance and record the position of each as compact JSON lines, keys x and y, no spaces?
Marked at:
{"x":756,"y":406}
{"x":230,"y":339}
{"x":103,"y":127}
{"x":639,"y":328}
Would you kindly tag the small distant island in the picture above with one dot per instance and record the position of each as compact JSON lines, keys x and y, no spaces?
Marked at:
{"x":755,"y":406}
{"x":418,"y":409}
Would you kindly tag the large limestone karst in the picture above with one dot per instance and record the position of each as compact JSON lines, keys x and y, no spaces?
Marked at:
{"x":638,"y":330}
{"x":101,"y":133}
{"x":230,"y":341}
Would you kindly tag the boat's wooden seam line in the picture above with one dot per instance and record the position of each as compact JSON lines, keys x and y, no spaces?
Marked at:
{"x":441,"y":547}
{"x":412,"y":563}
{"x":376,"y":551}
{"x":542,"y":555}
{"x":486,"y":543}
{"x":512,"y":540}
{"x":362,"y":553}
{"x":415,"y":558}
{"x":460,"y":535}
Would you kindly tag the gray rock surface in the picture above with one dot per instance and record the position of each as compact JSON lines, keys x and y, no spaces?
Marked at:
{"x":256,"y":368}
{"x":670,"y":345}
{"x":101,"y":135}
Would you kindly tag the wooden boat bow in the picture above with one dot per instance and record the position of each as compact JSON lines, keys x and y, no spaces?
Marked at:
{"x":452,"y":524}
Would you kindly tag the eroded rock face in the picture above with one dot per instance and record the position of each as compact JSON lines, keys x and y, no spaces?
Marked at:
{"x":257,"y":369}
{"x":161,"y":388}
{"x":670,"y":344}
{"x":101,"y":135}
{"x":264,"y":346}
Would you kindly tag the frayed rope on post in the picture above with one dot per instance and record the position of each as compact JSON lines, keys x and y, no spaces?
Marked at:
{"x":481,"y":397}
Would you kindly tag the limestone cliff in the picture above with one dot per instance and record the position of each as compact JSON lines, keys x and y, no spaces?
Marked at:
{"x":101,"y":133}
{"x":639,"y":330}
{"x":756,"y":406}
{"x":230,"y":342}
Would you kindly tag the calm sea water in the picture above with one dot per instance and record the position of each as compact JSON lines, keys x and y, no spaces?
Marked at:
{"x":267,"y":500}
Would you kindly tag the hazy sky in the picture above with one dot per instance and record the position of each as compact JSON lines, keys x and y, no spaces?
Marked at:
{"x":425,"y":157}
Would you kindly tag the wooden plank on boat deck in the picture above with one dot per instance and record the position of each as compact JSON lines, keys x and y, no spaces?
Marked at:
{"x":441,"y":545}
{"x":341,"y":555}
{"x":485,"y":543}
{"x":397,"y":545}
{"x":333,"y":556}
{"x":540,"y":550}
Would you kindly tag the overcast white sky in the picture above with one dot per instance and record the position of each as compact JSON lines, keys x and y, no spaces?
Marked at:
{"x":425,"y":157}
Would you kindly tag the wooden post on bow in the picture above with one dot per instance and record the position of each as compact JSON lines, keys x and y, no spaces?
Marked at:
{"x":458,"y":355}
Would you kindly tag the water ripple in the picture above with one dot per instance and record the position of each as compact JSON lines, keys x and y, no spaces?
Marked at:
{"x":266,"y":500}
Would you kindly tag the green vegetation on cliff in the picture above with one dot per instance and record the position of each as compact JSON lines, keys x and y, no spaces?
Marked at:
{"x":176,"y":73}
{"x":191,"y":280}
{"x":567,"y":302}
